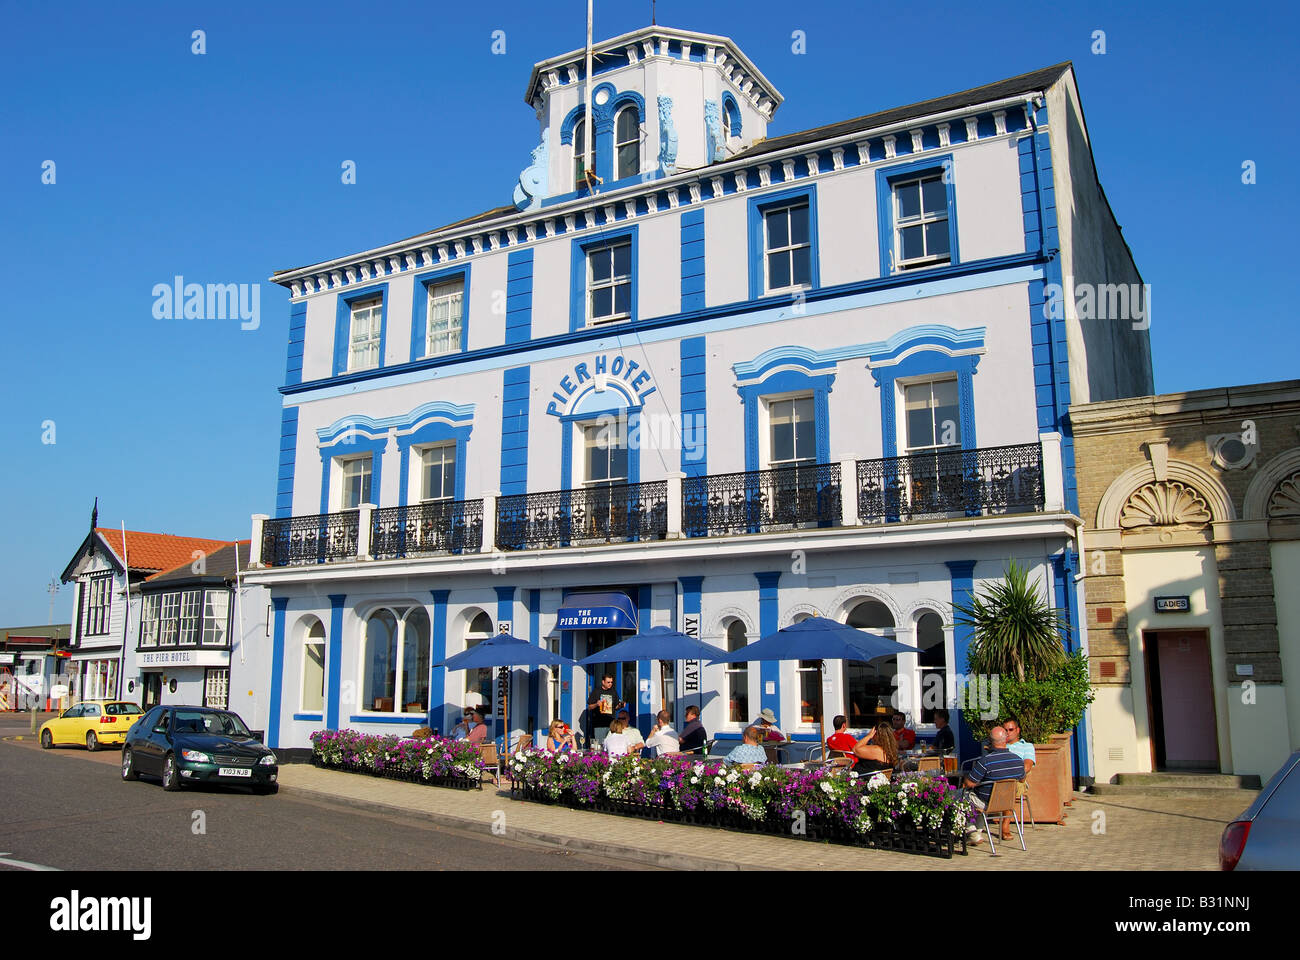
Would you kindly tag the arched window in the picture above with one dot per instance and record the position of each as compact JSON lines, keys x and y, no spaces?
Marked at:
{"x":870,"y":686}
{"x":379,"y":684}
{"x":415,"y":662}
{"x":478,"y":683}
{"x":726,"y":125}
{"x":627,"y":143}
{"x":932,"y":660}
{"x":737,"y":676}
{"x":395,"y":662}
{"x":313,"y":667}
{"x":580,"y":152}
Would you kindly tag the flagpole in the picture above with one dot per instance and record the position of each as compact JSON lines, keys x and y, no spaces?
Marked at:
{"x":126,"y":616}
{"x":587,"y":170}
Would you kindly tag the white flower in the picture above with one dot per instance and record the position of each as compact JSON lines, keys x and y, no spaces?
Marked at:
{"x":853,"y":774}
{"x":827,"y":788}
{"x":698,"y":769}
{"x":562,"y":758}
{"x":695,"y":779}
{"x":755,"y":778}
{"x":719,"y":781}
{"x":732,"y":777}
{"x":877,"y":780}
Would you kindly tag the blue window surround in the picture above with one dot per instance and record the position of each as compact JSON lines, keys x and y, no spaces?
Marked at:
{"x":343,"y":324}
{"x":812,"y":378}
{"x":436,"y":431}
{"x":937,"y":355}
{"x":602,"y":123}
{"x":758,"y":237}
{"x":885,"y":179}
{"x":420,"y":309}
{"x":348,"y":445}
{"x":578,"y":275}
{"x":695,"y":453}
{"x":732,"y":110}
{"x":568,"y":427}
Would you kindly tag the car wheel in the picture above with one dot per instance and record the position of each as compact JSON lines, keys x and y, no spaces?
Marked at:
{"x":171,"y":777}
{"x":92,"y":741}
{"x":128,"y":765}
{"x":47,"y":741}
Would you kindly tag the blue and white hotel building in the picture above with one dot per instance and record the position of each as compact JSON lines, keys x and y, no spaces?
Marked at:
{"x":732,"y":380}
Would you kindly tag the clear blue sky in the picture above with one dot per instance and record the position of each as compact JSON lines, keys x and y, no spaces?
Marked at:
{"x":225,"y":167}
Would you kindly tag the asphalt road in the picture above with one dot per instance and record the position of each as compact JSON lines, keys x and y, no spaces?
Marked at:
{"x":70,"y":809}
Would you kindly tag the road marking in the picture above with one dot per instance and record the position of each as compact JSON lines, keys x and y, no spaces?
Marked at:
{"x":24,"y":865}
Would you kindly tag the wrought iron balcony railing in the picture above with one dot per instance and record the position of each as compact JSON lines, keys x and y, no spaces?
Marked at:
{"x":426,"y":529}
{"x":967,"y":483}
{"x":760,"y":501}
{"x":588,"y":515}
{"x":319,"y":538}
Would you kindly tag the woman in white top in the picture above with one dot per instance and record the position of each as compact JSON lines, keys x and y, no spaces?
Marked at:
{"x":616,"y":744}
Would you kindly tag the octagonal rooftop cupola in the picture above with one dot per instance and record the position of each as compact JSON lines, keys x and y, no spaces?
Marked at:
{"x":664,"y":101}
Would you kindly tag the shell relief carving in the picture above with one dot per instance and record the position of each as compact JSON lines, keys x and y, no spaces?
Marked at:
{"x":1163,"y":504}
{"x":1285,"y":501}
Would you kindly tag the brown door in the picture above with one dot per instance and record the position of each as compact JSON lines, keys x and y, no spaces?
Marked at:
{"x":1180,"y":698}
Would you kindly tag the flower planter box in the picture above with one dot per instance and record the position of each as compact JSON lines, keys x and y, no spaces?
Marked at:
{"x":903,"y":837}
{"x":409,"y":776}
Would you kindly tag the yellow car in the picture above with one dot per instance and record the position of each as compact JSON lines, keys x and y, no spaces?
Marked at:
{"x":91,"y":722}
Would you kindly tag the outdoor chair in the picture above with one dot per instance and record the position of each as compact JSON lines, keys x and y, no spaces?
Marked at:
{"x":929,"y":764}
{"x":1022,"y":792}
{"x":488,"y":752}
{"x":1002,"y":804}
{"x":840,"y":760}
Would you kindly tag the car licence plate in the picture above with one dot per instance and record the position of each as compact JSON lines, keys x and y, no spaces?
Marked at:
{"x":234,"y":772}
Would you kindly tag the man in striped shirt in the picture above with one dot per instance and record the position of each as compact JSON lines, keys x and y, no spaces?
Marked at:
{"x":998,"y":764}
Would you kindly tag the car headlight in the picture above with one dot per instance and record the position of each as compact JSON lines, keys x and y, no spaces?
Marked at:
{"x":194,"y":756}
{"x":267,"y":759}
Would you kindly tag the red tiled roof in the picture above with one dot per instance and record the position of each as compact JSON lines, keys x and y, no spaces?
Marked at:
{"x":157,"y":551}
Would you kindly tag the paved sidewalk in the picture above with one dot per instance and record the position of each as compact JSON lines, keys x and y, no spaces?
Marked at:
{"x":1129,"y":834}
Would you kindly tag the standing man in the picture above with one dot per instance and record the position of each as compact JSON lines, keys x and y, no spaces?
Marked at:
{"x":601,"y":707}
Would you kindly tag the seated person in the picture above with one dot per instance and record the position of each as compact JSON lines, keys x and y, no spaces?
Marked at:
{"x":616,"y":743}
{"x":998,"y":764}
{"x":663,"y":737}
{"x":943,"y":742}
{"x":634,"y":739}
{"x":477,"y":733}
{"x":906,"y":737}
{"x":749,"y":750}
{"x":459,"y":731}
{"x":1025,"y":751}
{"x":841,"y":739}
{"x":558,"y":738}
{"x":876,"y":751}
{"x":693,"y":735}
{"x":766,"y":723}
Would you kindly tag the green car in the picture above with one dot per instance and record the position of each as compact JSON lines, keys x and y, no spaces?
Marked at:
{"x":197,"y":745}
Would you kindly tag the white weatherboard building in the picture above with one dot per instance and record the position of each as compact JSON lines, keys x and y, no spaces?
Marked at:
{"x":737,"y":380}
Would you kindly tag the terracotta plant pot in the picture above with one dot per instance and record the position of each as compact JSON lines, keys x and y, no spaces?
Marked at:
{"x":1047,"y":802}
{"x":1067,"y":768}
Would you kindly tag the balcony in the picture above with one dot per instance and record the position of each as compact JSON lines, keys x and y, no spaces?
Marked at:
{"x":943,"y":485}
{"x":623,"y":513}
{"x":427,"y":529}
{"x":969,"y":483}
{"x":762,"y":501}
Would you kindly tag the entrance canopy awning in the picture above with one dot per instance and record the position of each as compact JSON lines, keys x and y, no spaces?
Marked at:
{"x":597,"y":611}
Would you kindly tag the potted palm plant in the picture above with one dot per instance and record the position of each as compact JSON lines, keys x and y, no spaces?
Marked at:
{"x":1017,"y":636}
